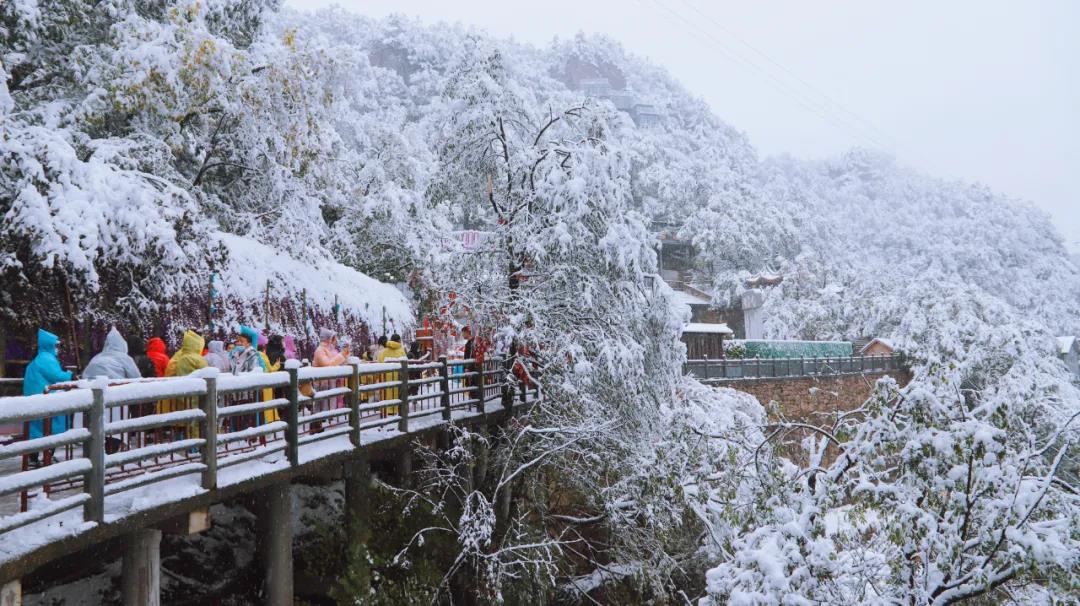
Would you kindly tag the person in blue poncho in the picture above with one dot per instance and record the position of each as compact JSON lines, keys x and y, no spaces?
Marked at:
{"x":44,"y":370}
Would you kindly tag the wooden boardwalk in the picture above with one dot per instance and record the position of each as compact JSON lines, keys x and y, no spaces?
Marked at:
{"x":219,"y":436}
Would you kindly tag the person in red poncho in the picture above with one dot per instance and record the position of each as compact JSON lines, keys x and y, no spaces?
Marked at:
{"x":155,"y":350}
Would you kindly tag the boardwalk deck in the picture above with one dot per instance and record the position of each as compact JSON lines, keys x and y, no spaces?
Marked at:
{"x":295,"y":446}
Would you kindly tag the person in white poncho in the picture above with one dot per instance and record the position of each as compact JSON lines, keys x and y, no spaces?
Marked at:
{"x":113,"y":362}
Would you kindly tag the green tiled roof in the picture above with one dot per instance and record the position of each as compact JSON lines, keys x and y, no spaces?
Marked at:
{"x":761,"y":348}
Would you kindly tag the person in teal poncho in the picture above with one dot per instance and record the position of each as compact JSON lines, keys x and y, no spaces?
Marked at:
{"x":44,"y":370}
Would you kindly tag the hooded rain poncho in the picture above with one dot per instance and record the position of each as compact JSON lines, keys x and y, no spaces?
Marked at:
{"x":185,"y":361}
{"x":155,"y":350}
{"x":44,"y":370}
{"x":216,"y":356}
{"x":392,"y":352}
{"x":113,"y":362}
{"x":188,"y":358}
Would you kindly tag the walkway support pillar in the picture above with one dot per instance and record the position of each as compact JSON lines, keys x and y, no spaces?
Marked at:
{"x":275,"y":534}
{"x":480,"y":452}
{"x":357,"y":474}
{"x":11,"y":593}
{"x":358,"y":505}
{"x":403,"y":467}
{"x":141,"y":568}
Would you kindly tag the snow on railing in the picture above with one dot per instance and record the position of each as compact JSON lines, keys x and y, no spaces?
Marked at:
{"x":207,"y":421}
{"x":724,"y":369}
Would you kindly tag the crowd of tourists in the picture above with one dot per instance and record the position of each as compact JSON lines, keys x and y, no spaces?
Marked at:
{"x":247,"y":351}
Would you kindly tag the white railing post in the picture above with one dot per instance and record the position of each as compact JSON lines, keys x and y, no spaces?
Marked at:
{"x":479,"y":386}
{"x":507,"y":392}
{"x":94,"y":481}
{"x":354,"y":402}
{"x":444,"y":387}
{"x":292,"y":415}
{"x":403,"y":398}
{"x":209,"y":405}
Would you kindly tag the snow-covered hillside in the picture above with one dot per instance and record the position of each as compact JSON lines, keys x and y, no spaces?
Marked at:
{"x":138,"y":136}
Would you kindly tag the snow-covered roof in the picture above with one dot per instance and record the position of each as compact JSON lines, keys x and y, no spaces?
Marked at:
{"x":885,"y":342}
{"x":251,"y":264}
{"x":704,"y":328}
{"x":1066,"y":344}
{"x":686,"y":298}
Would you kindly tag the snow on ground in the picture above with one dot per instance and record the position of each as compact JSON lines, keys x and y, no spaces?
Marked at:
{"x":252,"y":264}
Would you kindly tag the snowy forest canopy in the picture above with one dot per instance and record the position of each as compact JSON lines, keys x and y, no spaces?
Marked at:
{"x":135,"y":134}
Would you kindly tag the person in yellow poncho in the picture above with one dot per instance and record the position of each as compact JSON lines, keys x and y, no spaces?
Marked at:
{"x":185,"y":361}
{"x":273,"y":358}
{"x":392,"y":353}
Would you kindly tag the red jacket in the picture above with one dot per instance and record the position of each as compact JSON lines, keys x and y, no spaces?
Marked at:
{"x":155,"y":350}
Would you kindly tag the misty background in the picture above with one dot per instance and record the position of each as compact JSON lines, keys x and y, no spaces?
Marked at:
{"x":977,"y":90}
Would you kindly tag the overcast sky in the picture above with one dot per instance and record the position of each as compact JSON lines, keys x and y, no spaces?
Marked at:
{"x":981,"y":90}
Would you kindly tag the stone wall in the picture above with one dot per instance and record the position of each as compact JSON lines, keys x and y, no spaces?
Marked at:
{"x":800,"y":397}
{"x":803,"y":399}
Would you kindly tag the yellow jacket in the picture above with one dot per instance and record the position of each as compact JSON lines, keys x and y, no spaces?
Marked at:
{"x":392,"y":351}
{"x":185,"y":361}
{"x":189,"y":357}
{"x":268,"y":394}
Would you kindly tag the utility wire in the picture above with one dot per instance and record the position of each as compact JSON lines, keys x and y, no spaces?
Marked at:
{"x":784,"y":88}
{"x":867,"y":123}
{"x":780,"y":85}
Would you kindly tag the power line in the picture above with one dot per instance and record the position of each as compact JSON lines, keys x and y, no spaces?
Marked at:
{"x":823,"y":112}
{"x":781,"y":86}
{"x":867,"y":123}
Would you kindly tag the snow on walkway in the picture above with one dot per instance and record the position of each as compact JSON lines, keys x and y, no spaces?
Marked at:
{"x":22,"y":541}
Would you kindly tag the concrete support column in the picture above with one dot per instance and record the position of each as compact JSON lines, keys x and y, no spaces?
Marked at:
{"x":357,"y":500}
{"x":443,"y":441}
{"x":358,"y":505}
{"x":480,"y":451}
{"x":404,"y":467}
{"x":11,"y":593}
{"x":275,"y":538}
{"x":502,"y":509}
{"x":141,"y":569}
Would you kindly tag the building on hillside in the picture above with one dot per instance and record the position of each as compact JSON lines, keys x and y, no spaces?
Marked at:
{"x":646,"y":115}
{"x":876,"y":347}
{"x":1069,"y":352}
{"x":595,"y":87}
{"x":701,"y":307}
{"x":705,"y":341}
{"x":743,"y":315}
{"x":607,"y":82}
{"x":579,"y":73}
{"x":623,"y":100}
{"x":753,"y":299}
{"x":753,"y":317}
{"x":676,"y":260}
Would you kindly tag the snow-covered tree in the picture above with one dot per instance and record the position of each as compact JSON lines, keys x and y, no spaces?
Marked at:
{"x":134,"y":135}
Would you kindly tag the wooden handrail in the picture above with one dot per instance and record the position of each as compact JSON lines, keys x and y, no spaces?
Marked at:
{"x":207,"y":453}
{"x":733,"y":369}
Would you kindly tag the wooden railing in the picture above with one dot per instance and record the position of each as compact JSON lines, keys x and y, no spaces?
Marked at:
{"x":715,"y":371}
{"x":207,"y":422}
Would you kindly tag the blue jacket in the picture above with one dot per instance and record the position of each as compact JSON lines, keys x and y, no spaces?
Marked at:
{"x":45,"y":368}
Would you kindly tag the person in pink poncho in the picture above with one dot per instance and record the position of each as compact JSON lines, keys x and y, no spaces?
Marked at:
{"x":327,"y":354}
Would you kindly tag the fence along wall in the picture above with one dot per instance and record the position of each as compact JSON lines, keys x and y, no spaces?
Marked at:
{"x":217,"y":426}
{"x":715,"y":371}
